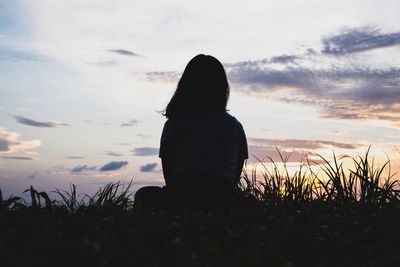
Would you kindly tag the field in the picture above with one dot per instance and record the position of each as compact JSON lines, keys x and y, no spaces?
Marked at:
{"x":335,"y":217}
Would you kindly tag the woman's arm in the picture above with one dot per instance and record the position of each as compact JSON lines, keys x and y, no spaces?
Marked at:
{"x":168,"y":170}
{"x":238,"y":172}
{"x":243,"y":154}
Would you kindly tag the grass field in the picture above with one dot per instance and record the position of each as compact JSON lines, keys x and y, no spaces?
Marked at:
{"x":331,"y":217}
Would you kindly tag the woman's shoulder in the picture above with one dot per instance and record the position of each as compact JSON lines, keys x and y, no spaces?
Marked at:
{"x":198,"y":118}
{"x":233,"y":120}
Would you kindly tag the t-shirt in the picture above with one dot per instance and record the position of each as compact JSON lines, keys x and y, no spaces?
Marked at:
{"x":208,"y":143}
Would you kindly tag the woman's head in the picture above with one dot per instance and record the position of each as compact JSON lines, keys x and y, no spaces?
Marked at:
{"x":203,"y":86}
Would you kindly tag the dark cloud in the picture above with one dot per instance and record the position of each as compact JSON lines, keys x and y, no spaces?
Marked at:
{"x":145,"y":151}
{"x":345,"y":93}
{"x":300,"y":143}
{"x":17,"y":158}
{"x":284,"y":59}
{"x":74,"y":157}
{"x":113,"y":165}
{"x":130,"y":123}
{"x":113,"y":154}
{"x":81,"y":168}
{"x":359,"y":39}
{"x":150,"y":167}
{"x":33,"y":123}
{"x":4,"y":145}
{"x":259,"y":76}
{"x":124,"y":52}
{"x":31,"y":177}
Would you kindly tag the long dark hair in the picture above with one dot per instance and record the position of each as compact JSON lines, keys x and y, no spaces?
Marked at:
{"x":203,"y":86}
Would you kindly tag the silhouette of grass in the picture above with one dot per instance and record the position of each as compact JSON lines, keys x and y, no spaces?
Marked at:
{"x":364,"y":183}
{"x":324,"y":215}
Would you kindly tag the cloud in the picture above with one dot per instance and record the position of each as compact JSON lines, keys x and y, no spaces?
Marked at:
{"x":143,"y":135}
{"x":260,"y":76}
{"x":123,"y":144}
{"x":113,"y":154}
{"x":130,"y":123}
{"x":124,"y":52}
{"x":145,"y":151}
{"x":74,"y":157}
{"x":81,"y":168}
{"x":359,"y":39}
{"x":17,"y":158}
{"x":267,"y":153}
{"x":33,"y":123}
{"x":342,"y":88}
{"x":163,"y":76}
{"x":294,"y":150}
{"x":351,"y":110}
{"x":31,"y":177}
{"x":23,"y":109}
{"x":284,"y":59}
{"x":21,"y":53}
{"x":300,"y":143}
{"x":150,"y":167}
{"x":113,"y":165}
{"x":9,"y":142}
{"x":348,"y":93}
{"x":104,"y":63}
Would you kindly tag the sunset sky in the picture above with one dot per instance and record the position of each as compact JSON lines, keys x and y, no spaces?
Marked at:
{"x":81,"y":82}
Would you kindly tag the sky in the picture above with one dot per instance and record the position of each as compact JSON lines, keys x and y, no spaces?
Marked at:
{"x":82,"y":82}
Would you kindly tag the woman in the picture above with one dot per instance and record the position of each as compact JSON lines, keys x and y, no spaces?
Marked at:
{"x":202,"y":147}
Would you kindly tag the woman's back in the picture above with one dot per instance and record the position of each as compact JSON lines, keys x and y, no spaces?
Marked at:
{"x":203,"y":145}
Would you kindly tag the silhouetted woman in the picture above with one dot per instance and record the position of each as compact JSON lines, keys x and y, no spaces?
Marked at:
{"x":202,"y":147}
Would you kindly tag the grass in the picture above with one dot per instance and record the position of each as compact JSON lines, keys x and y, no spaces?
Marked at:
{"x":324,"y":216}
{"x":331,"y":184}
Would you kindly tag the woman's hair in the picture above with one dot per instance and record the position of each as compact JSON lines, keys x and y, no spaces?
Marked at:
{"x":203,"y":86}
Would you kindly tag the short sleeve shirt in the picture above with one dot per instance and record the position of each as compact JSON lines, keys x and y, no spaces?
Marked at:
{"x":208,"y":143}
